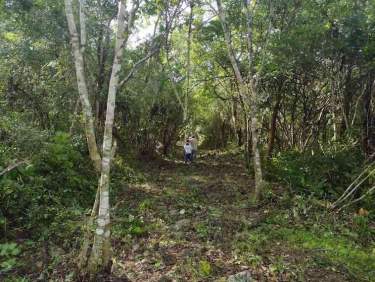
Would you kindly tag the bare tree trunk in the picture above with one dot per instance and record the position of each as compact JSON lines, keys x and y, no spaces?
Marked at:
{"x":82,"y":86}
{"x":247,"y":92}
{"x":82,"y":24}
{"x":75,"y":113}
{"x":78,"y":50}
{"x":272,"y":131}
{"x":188,"y":65}
{"x":256,"y":153}
{"x":253,"y":102}
{"x":101,"y":250}
{"x":368,"y":120}
{"x":247,"y":142}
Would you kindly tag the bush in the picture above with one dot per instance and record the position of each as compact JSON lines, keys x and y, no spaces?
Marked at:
{"x":43,"y":198}
{"x":8,"y":256}
{"x":325,"y":173}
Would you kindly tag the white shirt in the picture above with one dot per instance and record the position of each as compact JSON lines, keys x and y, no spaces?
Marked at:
{"x":187,"y":148}
{"x":194,"y":143}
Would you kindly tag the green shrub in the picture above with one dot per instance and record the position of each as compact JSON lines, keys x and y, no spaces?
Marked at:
{"x":48,"y":196}
{"x":365,"y":233}
{"x":205,"y":268}
{"x":8,"y":256}
{"x":324,"y":173}
{"x":128,"y":224}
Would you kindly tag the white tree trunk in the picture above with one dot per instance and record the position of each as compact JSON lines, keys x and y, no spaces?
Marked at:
{"x":82,"y":87}
{"x":101,"y":250}
{"x":188,"y":63}
{"x":82,"y":24}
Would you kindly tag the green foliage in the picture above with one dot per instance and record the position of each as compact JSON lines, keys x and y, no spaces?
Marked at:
{"x":205,"y":268}
{"x":325,"y":174}
{"x":216,"y":132}
{"x":18,"y":137}
{"x":129,"y":225}
{"x":331,"y":247}
{"x":202,"y":230}
{"x":8,"y":256}
{"x":145,"y":205}
{"x":359,"y":262}
{"x":316,"y":56}
{"x":123,"y":174}
{"x":366,"y":234}
{"x":56,"y":187}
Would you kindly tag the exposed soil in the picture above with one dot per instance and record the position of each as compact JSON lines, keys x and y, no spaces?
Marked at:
{"x":193,"y":215}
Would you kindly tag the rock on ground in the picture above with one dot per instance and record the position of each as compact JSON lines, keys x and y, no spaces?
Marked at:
{"x":244,"y":276}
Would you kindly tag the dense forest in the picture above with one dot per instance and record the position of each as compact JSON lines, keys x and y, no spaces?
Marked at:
{"x":100,"y":99}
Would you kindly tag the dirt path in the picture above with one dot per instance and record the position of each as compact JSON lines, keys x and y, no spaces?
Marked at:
{"x":186,"y":224}
{"x":190,"y":215}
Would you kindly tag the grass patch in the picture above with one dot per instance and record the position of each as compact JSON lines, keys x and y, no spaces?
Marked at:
{"x":325,"y":247}
{"x":359,"y":262}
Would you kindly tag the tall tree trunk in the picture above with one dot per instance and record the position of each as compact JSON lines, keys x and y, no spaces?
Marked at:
{"x":102,"y":54}
{"x":78,"y":50}
{"x":272,"y":131}
{"x":253,"y":102}
{"x":188,"y":64}
{"x":255,"y":142}
{"x":101,"y":250}
{"x":368,"y":135}
{"x":248,"y":93}
{"x":248,"y":149}
{"x":82,"y":86}
{"x":82,"y":24}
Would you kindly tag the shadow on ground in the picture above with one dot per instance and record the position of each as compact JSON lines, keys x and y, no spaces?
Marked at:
{"x":188,"y":221}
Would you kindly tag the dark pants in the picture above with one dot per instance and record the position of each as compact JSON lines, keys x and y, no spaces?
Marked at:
{"x":187,"y":158}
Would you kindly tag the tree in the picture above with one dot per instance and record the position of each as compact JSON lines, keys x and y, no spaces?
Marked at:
{"x":247,"y":90}
{"x":100,"y":256}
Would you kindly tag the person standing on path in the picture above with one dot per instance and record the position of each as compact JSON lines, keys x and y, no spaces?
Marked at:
{"x":187,"y":151}
{"x":194,"y":146}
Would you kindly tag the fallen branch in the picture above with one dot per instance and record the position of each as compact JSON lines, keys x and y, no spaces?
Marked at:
{"x":354,"y":185}
{"x":13,"y":166}
{"x":372,"y":189}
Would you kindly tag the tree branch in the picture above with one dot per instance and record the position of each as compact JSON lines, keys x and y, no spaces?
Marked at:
{"x":137,"y":65}
{"x":13,"y":166}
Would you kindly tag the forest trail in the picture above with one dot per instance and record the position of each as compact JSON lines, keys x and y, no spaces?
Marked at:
{"x":188,"y":223}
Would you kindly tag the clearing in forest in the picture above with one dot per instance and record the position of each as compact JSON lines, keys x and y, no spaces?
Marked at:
{"x":195,"y":223}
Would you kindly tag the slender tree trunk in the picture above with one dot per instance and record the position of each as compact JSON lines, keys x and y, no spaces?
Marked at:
{"x":248,"y":93}
{"x":82,"y":24}
{"x":272,"y":132}
{"x":75,"y":113}
{"x":101,"y":250}
{"x":188,"y":65}
{"x":255,"y":143}
{"x":82,"y":87}
{"x":102,"y":54}
{"x":253,"y":102}
{"x":78,"y":50}
{"x":247,"y":150}
{"x":368,"y":132}
{"x":247,"y":143}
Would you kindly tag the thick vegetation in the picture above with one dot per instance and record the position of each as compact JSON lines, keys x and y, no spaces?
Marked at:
{"x":97,"y":98}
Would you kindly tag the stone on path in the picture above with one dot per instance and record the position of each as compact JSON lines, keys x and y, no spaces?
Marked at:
{"x":244,"y":276}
